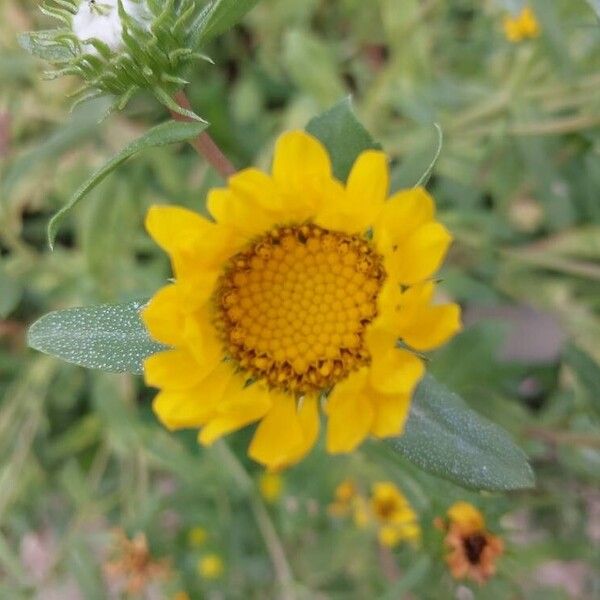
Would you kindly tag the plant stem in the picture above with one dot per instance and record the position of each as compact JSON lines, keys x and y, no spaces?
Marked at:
{"x":204,"y":144}
{"x":283,"y":572}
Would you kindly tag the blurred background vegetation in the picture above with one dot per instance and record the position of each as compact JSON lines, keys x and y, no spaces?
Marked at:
{"x":518,"y":183}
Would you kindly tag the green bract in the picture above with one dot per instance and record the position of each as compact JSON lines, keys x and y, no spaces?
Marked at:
{"x":135,"y":44}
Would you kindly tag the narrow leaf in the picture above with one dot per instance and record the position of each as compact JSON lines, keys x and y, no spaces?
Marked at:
{"x":424,"y":179}
{"x":587,"y":371}
{"x":343,"y":136}
{"x":109,"y":337}
{"x":446,"y":438}
{"x":219,"y":16}
{"x":170,"y":132}
{"x":43,"y":44}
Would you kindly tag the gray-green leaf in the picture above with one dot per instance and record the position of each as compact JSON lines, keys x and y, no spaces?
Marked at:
{"x":109,"y":337}
{"x":170,"y":132}
{"x":343,"y":135}
{"x":446,"y":438}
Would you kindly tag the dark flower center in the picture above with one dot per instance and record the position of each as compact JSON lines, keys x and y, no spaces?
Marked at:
{"x":474,"y":545}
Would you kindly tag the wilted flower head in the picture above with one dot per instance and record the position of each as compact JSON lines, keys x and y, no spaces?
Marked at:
{"x":132,"y":567}
{"x":119,"y":47}
{"x":473,"y":549}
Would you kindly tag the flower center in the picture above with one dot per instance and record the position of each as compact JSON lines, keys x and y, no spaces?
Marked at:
{"x":474,"y":545}
{"x":292,"y":309}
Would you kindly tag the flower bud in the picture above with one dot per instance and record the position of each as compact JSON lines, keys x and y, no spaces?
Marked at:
{"x":119,"y":47}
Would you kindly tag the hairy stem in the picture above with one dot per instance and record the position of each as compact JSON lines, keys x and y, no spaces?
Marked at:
{"x":283,"y":572}
{"x":204,"y":144}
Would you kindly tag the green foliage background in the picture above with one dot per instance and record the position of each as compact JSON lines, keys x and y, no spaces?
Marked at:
{"x":517,"y":182}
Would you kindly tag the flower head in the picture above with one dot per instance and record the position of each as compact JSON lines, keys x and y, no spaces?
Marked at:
{"x":396,"y":518}
{"x":132,"y":567}
{"x":473,"y":550}
{"x":210,"y":566}
{"x":345,"y":494}
{"x":521,"y":26}
{"x":297,"y":293}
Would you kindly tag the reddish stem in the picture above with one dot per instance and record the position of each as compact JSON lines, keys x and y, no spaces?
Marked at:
{"x":204,"y":144}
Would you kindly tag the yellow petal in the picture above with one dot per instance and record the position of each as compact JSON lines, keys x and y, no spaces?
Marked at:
{"x":254,"y":185}
{"x":393,"y":370}
{"x":175,"y":369}
{"x":420,"y":255}
{"x":201,"y":338}
{"x":163,"y":317}
{"x":368,"y":184}
{"x":466,"y":516}
{"x":350,"y":414}
{"x":190,"y":239}
{"x":391,"y":413}
{"x":366,"y":191}
{"x":240,"y":407}
{"x":402,"y":215}
{"x":308,"y":415}
{"x":192,"y":408}
{"x":174,"y":226}
{"x":420,"y":325}
{"x":243,"y":216}
{"x":278,"y":434}
{"x":300,"y":160}
{"x":432,"y":326}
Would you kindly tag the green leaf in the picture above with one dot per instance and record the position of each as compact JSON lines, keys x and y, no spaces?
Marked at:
{"x":109,"y":337}
{"x":219,"y":16}
{"x":170,"y":132}
{"x":446,"y":438}
{"x":43,"y":45}
{"x":417,"y":168}
{"x":587,"y":371}
{"x":343,"y":136}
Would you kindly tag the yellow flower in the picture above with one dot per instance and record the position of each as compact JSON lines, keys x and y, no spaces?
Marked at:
{"x":521,"y":26}
{"x":473,"y":551}
{"x":297,"y":291}
{"x":197,"y":536}
{"x":396,"y":518}
{"x":270,"y":486}
{"x":210,"y":566}
{"x":181,"y":596}
{"x":344,"y":496}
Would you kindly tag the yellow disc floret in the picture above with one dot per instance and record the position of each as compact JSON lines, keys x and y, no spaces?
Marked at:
{"x":292,"y":308}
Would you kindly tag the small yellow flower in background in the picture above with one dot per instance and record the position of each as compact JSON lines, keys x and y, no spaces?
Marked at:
{"x":395,"y":516}
{"x":473,"y":551}
{"x":298,"y":290}
{"x":270,"y":486}
{"x":522,"y":26}
{"x":210,"y":566}
{"x":181,"y":596}
{"x":197,"y":536}
{"x":387,"y":509}
{"x":344,"y":495}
